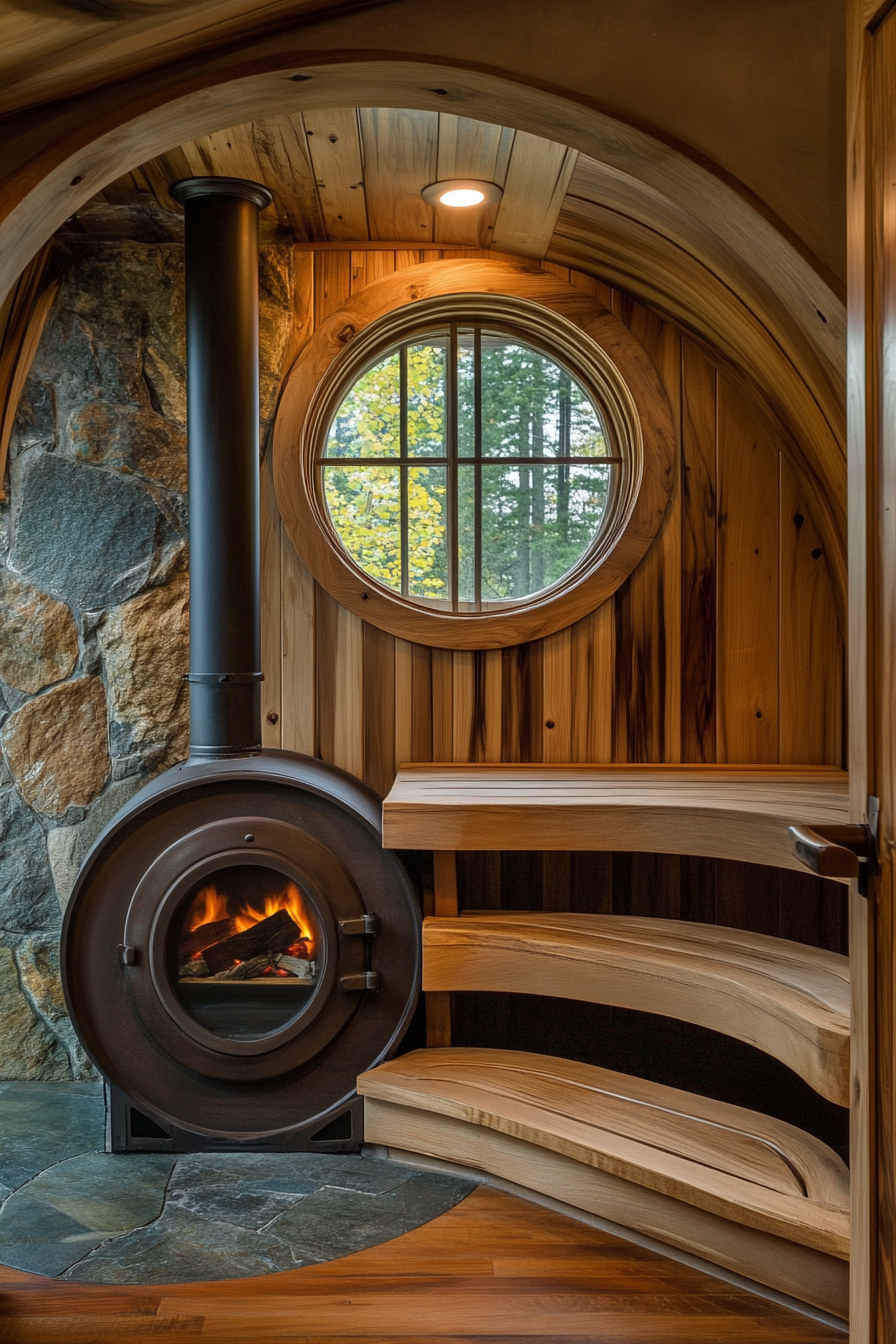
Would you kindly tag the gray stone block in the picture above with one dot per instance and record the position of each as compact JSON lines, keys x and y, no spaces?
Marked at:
{"x":87,"y":535}
{"x":27,"y":899}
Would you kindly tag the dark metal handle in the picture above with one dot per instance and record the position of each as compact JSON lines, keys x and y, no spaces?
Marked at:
{"x":832,"y":851}
{"x":365,"y":980}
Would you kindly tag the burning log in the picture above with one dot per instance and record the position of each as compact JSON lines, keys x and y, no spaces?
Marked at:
{"x":270,"y":936}
{"x":296,"y":966}
{"x":193,"y":970}
{"x":245,"y":970}
{"x":197,"y":940}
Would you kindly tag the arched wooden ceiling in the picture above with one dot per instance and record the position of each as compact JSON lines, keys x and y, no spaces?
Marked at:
{"x":754,"y":89}
{"x":660,"y":221}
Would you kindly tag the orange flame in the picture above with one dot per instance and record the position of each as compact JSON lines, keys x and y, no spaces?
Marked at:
{"x":211,"y":905}
{"x":207,"y":907}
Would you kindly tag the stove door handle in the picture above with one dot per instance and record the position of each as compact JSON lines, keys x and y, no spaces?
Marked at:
{"x":354,"y":928}
{"x":366,"y":980}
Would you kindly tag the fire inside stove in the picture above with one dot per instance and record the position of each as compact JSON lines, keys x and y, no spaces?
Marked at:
{"x":246,"y":949}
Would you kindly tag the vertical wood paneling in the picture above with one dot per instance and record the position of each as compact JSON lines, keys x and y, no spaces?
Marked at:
{"x":493,"y":705}
{"x":697,"y":889}
{"x":442,"y":705}
{"x":748,"y":896}
{"x":378,"y":710}
{"x":748,"y":599}
{"x":558,"y":701}
{"x":403,"y":703}
{"x":655,"y":586}
{"x":557,"y":880}
{"x":811,"y":644}
{"x":698,"y":556}
{"x":592,"y":682}
{"x":271,"y":605}
{"x":297,"y":714}
{"x":348,"y":707}
{"x":339,"y":666}
{"x":332,"y":282}
{"x":326,"y":647}
{"x":656,"y":886}
{"x":522,"y":682}
{"x":465,"y":706}
{"x":370,"y":266}
{"x":421,"y":703}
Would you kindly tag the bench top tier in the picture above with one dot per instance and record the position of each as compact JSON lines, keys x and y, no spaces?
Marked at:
{"x":719,"y":811}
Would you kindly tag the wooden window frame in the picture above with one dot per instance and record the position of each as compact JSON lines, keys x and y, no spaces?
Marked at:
{"x":567,"y":324}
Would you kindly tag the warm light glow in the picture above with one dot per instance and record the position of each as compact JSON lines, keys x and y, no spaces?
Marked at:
{"x":462,"y":196}
{"x":211,"y":905}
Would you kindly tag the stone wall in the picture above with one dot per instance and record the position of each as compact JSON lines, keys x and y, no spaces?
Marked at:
{"x":94,"y":599}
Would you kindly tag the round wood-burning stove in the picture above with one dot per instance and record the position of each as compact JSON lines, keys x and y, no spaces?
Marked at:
{"x":237,"y":949}
{"x":238,"y":946}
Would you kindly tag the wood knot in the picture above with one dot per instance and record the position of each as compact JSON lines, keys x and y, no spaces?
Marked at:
{"x":347,"y":334}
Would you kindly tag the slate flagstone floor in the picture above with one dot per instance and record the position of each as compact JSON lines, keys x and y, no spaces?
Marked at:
{"x":71,"y":1211}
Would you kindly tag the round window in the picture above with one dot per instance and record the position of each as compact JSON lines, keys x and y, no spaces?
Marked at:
{"x":468,"y":469}
{"x":472,"y":454}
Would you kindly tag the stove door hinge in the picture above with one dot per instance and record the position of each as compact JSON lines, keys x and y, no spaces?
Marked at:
{"x":846,"y":850}
{"x":354,"y":928}
{"x":127,"y":954}
{"x":365,"y":980}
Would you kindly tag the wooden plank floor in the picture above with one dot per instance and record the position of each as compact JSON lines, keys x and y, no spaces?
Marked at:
{"x":494,"y":1268}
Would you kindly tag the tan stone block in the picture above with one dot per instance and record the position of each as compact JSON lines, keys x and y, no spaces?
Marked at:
{"x":145,"y":644}
{"x":57,"y":747}
{"x":38,"y":636}
{"x":131,"y":439}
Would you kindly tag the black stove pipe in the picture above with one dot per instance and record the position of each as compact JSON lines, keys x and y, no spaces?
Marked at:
{"x":221,"y":216}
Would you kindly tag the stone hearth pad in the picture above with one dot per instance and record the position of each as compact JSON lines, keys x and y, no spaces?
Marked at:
{"x":71,"y":1211}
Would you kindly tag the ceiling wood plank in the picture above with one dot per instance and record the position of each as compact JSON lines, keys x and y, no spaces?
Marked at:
{"x":282,"y":147}
{"x":478,"y":150}
{"x":132,"y":189}
{"x":162,"y":171}
{"x":334,"y":143}
{"x":400,"y":159}
{"x":537,"y":180}
{"x":228,"y":153}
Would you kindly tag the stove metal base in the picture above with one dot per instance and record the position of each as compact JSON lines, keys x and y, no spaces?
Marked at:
{"x":130,"y":1129}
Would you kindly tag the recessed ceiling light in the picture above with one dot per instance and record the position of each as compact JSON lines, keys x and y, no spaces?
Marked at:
{"x":462,"y":192}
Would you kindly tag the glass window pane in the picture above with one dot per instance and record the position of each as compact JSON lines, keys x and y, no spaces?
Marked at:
{"x":368,"y":422}
{"x":466,"y":393}
{"x":531,"y":407}
{"x":427,"y":418}
{"x":537,"y":521}
{"x":537,"y":517}
{"x":466,"y":530}
{"x":427,"y":532}
{"x":365,"y":506}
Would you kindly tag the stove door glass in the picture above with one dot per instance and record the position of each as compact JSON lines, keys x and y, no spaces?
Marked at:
{"x":244,"y":952}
